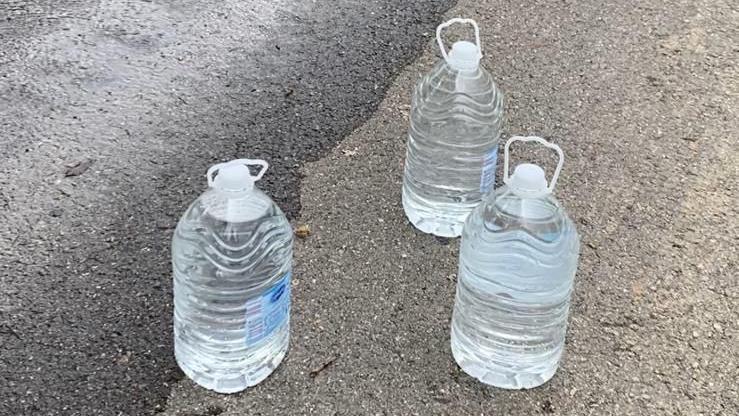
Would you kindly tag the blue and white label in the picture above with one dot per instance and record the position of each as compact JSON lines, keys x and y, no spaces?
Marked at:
{"x":267,"y":313}
{"x":487,"y":178}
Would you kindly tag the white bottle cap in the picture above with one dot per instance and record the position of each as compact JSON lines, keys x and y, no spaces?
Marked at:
{"x":464,"y":56}
{"x":528,"y":180}
{"x":234,"y":178}
{"x":235,"y":175}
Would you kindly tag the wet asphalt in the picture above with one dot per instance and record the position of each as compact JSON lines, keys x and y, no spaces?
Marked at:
{"x":110,"y":113}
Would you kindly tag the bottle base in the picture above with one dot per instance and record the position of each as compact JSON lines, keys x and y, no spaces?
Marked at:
{"x":431,"y":221}
{"x":228,"y":382}
{"x":504,"y":377}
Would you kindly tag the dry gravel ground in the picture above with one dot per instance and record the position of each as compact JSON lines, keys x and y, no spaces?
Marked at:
{"x":643,"y":98}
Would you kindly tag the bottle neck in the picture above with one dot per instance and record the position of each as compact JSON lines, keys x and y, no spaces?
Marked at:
{"x":538,"y":209}
{"x":235,"y":206}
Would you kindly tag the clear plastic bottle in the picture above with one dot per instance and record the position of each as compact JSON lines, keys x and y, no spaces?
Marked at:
{"x":456,"y":117}
{"x":517,"y":266}
{"x":232,"y":262}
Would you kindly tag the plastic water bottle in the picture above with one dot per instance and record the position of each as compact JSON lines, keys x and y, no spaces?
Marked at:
{"x":456,"y":117}
{"x":232,"y":261}
{"x":517,"y":265}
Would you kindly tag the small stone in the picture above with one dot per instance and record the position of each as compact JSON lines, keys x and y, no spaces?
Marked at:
{"x":78,"y":168}
{"x":303,"y":231}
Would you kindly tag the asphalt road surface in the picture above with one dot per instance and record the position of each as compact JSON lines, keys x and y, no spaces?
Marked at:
{"x":642,"y":96}
{"x":146,"y":95}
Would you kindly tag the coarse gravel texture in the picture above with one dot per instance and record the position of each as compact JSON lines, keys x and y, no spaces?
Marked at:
{"x":643,"y":98}
{"x":146,"y":94}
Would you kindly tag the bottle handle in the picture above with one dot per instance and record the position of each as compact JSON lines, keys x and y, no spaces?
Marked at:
{"x":451,"y":22}
{"x":555,"y":176}
{"x":212,"y":172}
